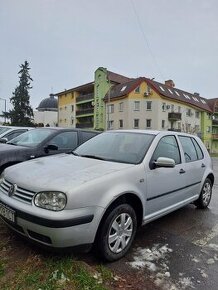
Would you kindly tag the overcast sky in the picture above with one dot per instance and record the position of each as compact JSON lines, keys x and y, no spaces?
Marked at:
{"x":66,"y":40}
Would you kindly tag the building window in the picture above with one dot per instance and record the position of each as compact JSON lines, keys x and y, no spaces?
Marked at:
{"x":189,"y":112}
{"x":163,"y":124}
{"x":136,"y":106}
{"x":208,"y":129}
{"x":72,"y":108}
{"x":179,"y":126}
{"x":111,"y":124}
{"x":136,"y":123}
{"x":111,"y":108}
{"x":121,"y":107}
{"x":148,"y":123}
{"x":163,"y":107}
{"x":179,"y":109}
{"x":137,"y":90}
{"x":172,"y":108}
{"x":121,"y":123}
{"x":148,"y":105}
{"x":197,"y":114}
{"x":72,"y":121}
{"x":65,"y":120}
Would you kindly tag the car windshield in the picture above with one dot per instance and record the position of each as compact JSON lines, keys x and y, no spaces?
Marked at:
{"x":125,"y":147}
{"x":31,"y":138}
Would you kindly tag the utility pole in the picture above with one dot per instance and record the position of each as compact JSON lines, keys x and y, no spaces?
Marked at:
{"x":5,"y":106}
{"x":108,"y":107}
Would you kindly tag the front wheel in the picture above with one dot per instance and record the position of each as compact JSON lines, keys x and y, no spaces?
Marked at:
{"x":116,"y":232}
{"x":205,"y":195}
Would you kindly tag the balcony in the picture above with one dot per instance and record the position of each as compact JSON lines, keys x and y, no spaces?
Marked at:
{"x":84,"y":125}
{"x":87,"y":97}
{"x":215,"y":136}
{"x":174,"y":116}
{"x":175,"y":130}
{"x":85,"y":111}
{"x":215,"y":122}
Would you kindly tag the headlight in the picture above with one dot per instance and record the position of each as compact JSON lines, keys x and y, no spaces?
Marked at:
{"x":51,"y":200}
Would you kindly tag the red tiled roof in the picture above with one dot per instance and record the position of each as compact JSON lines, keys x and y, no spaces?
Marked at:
{"x":180,"y":95}
{"x":78,"y":88}
{"x":123,"y":89}
{"x":120,"y":90}
{"x":113,"y":77}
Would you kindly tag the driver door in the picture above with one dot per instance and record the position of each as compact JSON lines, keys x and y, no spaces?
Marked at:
{"x":165,"y":186}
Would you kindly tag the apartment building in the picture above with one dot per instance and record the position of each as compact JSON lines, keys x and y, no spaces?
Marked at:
{"x":114,"y":101}
{"x":146,"y":104}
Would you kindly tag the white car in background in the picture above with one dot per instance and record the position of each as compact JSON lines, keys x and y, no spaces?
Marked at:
{"x":8,"y":133}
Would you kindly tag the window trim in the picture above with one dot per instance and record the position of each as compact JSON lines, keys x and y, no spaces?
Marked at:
{"x":151,"y":165}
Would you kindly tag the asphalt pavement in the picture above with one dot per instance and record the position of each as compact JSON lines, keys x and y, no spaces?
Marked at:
{"x":178,"y":251}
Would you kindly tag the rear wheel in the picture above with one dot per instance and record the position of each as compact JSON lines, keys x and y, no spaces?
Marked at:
{"x":116,"y":233}
{"x":205,"y":196}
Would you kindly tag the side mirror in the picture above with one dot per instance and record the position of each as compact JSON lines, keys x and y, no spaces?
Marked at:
{"x":50,"y":147}
{"x":3,"y":140}
{"x":164,"y":162}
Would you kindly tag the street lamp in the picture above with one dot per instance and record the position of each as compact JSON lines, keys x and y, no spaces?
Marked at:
{"x":5,"y":106}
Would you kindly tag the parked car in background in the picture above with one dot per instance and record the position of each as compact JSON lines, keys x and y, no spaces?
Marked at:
{"x":105,"y":189}
{"x":41,"y":142}
{"x":9,"y":132}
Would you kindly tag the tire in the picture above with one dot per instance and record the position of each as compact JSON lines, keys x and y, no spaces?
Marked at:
{"x":205,"y":196}
{"x":116,"y":233}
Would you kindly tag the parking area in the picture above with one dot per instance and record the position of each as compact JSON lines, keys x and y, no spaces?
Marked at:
{"x":178,"y":251}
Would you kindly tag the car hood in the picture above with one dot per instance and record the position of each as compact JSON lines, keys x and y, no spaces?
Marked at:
{"x":60,"y":172}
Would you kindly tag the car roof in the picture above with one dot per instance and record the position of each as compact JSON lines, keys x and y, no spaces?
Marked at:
{"x":153,"y":132}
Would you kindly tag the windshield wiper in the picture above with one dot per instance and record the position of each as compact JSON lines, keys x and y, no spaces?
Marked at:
{"x":74,"y":153}
{"x":11,"y":143}
{"x":91,"y":156}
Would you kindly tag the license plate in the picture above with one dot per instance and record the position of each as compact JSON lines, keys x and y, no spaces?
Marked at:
{"x":7,"y":213}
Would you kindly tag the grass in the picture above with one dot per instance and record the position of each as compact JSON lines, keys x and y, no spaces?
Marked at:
{"x":40,"y":273}
{"x":213,"y":154}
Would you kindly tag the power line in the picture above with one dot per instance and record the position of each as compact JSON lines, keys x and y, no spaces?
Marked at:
{"x":146,"y":42}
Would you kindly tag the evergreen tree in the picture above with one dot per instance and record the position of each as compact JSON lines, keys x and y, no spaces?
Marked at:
{"x":22,"y":113}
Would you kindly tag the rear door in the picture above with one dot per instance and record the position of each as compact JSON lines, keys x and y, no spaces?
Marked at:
{"x":193,"y":165}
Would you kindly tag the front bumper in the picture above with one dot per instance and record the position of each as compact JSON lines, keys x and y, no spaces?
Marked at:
{"x":77,"y":227}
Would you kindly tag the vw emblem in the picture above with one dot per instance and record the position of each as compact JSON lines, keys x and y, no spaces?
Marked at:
{"x":12,"y":189}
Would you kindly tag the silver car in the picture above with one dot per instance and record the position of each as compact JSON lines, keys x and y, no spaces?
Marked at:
{"x":105,"y":189}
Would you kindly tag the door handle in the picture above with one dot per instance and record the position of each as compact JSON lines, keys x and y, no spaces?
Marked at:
{"x":203,"y":165}
{"x":181,"y":171}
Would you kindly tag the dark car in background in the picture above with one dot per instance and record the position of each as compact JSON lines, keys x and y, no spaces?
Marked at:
{"x":8,"y":133}
{"x":41,"y":142}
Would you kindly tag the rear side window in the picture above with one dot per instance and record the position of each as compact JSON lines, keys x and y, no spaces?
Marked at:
{"x":167,"y":147}
{"x":198,"y":149}
{"x":188,"y":148}
{"x":87,"y":135}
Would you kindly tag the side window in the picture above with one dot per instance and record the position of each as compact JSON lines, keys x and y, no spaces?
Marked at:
{"x":188,"y":148}
{"x":167,"y":147}
{"x":12,"y":135}
{"x":87,"y":135}
{"x":198,"y":149}
{"x":65,"y":140}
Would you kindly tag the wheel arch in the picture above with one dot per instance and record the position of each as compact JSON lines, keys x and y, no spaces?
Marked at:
{"x":128,"y":198}
{"x":211,"y":177}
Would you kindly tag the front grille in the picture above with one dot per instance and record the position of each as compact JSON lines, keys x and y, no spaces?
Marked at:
{"x":20,"y":193}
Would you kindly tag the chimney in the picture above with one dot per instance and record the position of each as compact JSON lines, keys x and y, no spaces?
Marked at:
{"x":196,"y":94}
{"x":170,"y":83}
